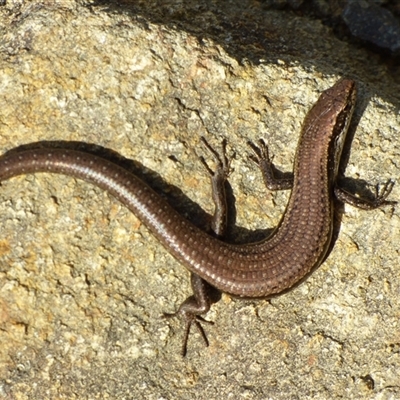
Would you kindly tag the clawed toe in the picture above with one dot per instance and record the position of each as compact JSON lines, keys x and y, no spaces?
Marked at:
{"x":190,"y":318}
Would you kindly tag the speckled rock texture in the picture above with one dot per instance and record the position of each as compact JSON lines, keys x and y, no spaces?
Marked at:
{"x":83,"y":284}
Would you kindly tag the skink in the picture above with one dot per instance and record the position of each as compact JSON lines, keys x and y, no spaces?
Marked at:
{"x":298,"y":244}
